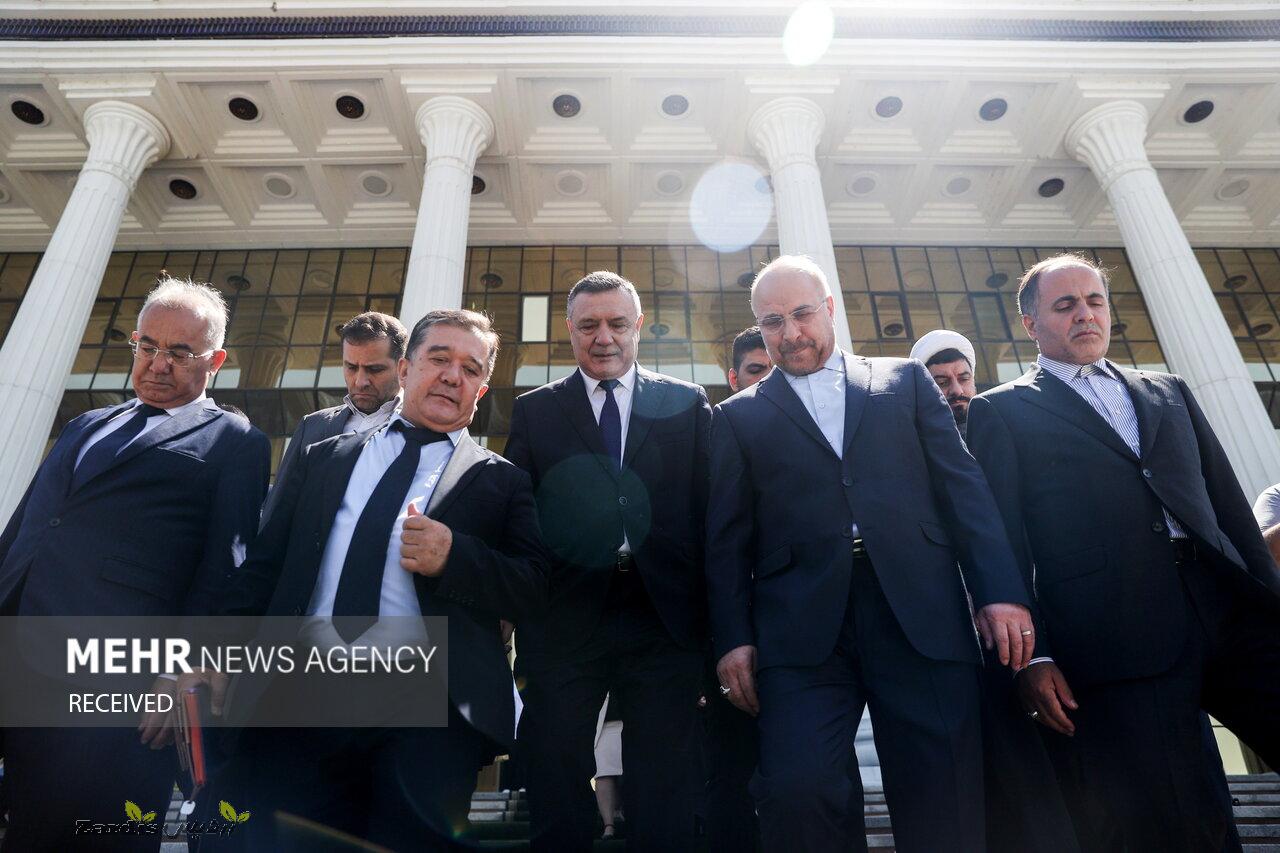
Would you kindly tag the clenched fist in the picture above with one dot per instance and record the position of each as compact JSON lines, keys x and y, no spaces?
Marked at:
{"x":424,"y":544}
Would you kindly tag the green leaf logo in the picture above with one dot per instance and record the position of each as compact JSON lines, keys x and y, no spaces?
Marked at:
{"x":132,"y":811}
{"x":243,"y":817}
{"x":149,"y":817}
{"x":228,"y":813}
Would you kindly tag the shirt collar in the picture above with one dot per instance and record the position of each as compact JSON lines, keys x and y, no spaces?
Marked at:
{"x":386,"y":408}
{"x":1066,"y":372}
{"x":835,"y":362}
{"x":626,"y":380}
{"x":454,"y":437}
{"x":174,"y":411}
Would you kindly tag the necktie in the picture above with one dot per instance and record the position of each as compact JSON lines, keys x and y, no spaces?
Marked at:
{"x":1089,"y":370}
{"x":611,"y":422}
{"x":356,"y":603}
{"x":102,"y":455}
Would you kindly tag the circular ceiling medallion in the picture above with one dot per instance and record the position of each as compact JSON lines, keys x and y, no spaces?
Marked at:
{"x":663,"y":277}
{"x":670,"y":183}
{"x":375,"y":184}
{"x":1261,"y":329}
{"x":1051,"y":187}
{"x":959,"y":185}
{"x":182,"y":188}
{"x":477,"y":185}
{"x":571,"y":183}
{"x":1236,"y":282}
{"x":889,"y":107}
{"x":243,"y":108}
{"x":491,"y":280}
{"x":861,"y":185}
{"x":746,"y":279}
{"x":660,"y":330}
{"x":116,"y":334}
{"x":320,"y":280}
{"x":349,"y":107}
{"x":28,"y":113}
{"x":1118,"y":329}
{"x":1233,"y":189}
{"x":238,"y":282}
{"x":997,"y":280}
{"x":1198,"y":112}
{"x":892,"y":330}
{"x":278,"y":186}
{"x":566,"y":106}
{"x":993,"y":109}
{"x":675,"y":105}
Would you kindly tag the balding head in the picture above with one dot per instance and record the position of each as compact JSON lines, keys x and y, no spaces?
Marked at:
{"x":793,"y":306}
{"x":1029,"y":285}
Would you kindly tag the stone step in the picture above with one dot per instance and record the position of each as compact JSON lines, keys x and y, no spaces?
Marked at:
{"x":1257,"y":814}
{"x":1246,"y":798}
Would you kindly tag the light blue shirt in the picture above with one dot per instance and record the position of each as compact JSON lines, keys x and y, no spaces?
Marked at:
{"x":822,"y":393}
{"x":399,"y":598}
{"x":120,"y":418}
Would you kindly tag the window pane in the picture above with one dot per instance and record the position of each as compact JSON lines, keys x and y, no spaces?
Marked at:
{"x":300,"y":368}
{"x":534,"y":318}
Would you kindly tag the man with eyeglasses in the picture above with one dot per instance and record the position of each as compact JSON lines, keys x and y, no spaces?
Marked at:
{"x":141,"y":509}
{"x":842,"y":500}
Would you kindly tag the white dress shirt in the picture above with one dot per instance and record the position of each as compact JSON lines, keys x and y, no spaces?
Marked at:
{"x":358,"y":421}
{"x":622,"y":395}
{"x":822,"y":393}
{"x":1267,"y":508}
{"x":399,"y":598}
{"x":118,"y":420}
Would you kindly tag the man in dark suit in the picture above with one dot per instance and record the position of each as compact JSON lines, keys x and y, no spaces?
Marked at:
{"x":618,"y":457}
{"x":841,"y":501}
{"x":1155,"y":596}
{"x":413,"y":519}
{"x":372,"y":345}
{"x":140,"y":509}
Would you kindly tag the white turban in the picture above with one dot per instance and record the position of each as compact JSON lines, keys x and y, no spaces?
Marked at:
{"x":938,"y":340}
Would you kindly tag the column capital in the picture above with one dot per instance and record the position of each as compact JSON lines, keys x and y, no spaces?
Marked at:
{"x":455,"y":128}
{"x":1109,"y":140}
{"x":786,"y":131}
{"x":124,"y":139}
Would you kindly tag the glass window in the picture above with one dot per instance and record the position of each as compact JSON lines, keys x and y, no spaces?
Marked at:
{"x":534,"y":318}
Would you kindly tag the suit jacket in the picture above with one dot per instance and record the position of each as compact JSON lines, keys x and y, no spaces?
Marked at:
{"x":314,"y":427}
{"x":496,"y":568}
{"x":779,"y":537}
{"x":1086,"y":519}
{"x":155,"y":534}
{"x":584,"y":501}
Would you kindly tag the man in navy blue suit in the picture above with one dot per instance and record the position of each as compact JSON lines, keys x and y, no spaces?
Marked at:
{"x":842,"y":499}
{"x":140,"y":509}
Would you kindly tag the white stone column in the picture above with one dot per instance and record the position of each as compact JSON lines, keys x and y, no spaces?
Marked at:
{"x":786,"y":131}
{"x":41,"y":346}
{"x":454,"y":131}
{"x":1192,"y":331}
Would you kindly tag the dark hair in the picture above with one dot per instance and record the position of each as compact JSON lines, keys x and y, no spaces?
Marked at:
{"x":946,"y":356}
{"x":235,"y":410}
{"x":1029,"y":285}
{"x":598,"y":282}
{"x":373,"y":326}
{"x":460,"y":318}
{"x":746,"y":341}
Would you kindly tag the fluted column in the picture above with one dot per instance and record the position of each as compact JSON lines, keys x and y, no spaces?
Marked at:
{"x":786,"y":131}
{"x":454,"y":131}
{"x":1192,"y":331}
{"x":41,"y":346}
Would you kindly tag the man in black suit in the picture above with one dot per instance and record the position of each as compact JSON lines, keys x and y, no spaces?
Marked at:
{"x":618,"y":457}
{"x":372,"y":345}
{"x":1155,"y":596}
{"x":841,"y":501}
{"x":140,"y":509}
{"x":413,"y":519}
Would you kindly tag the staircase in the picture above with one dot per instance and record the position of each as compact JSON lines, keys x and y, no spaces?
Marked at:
{"x":500,"y":819}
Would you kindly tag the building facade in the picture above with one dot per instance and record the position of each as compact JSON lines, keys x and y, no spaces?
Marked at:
{"x":314,"y":160}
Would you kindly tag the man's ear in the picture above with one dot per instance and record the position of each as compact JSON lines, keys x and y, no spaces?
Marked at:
{"x":219,"y":356}
{"x":484,"y":389}
{"x":733,"y":380}
{"x":1029,"y":324}
{"x":402,"y":370}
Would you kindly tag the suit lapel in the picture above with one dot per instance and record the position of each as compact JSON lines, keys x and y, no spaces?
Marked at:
{"x":67,"y":464}
{"x":778,"y":391}
{"x":463,"y":465}
{"x":857,"y":378}
{"x":1147,"y":405}
{"x":170,"y":427}
{"x":1050,"y":393}
{"x":333,"y":424}
{"x":342,"y":462}
{"x":571,"y":394}
{"x":646,"y":404}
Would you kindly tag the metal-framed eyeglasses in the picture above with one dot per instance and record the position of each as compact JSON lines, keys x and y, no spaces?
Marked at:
{"x":773,"y":323}
{"x":177,"y":359}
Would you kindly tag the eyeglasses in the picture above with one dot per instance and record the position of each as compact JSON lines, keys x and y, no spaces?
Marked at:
{"x":174,"y":358}
{"x":773,"y":323}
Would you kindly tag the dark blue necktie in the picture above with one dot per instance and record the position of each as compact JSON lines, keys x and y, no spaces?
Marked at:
{"x":102,"y":455}
{"x":611,"y":422}
{"x":355,"y":606}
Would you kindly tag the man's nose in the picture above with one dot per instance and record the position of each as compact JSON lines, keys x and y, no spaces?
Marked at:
{"x":160,"y":364}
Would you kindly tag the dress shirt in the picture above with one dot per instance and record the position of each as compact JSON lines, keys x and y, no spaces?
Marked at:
{"x":399,"y":597}
{"x":1267,"y":508}
{"x":822,"y":393}
{"x":622,"y":394}
{"x":358,"y":421}
{"x":119,"y":419}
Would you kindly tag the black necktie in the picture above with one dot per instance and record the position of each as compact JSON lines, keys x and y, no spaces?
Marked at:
{"x":355,"y":606}
{"x":102,"y":455}
{"x":611,"y":422}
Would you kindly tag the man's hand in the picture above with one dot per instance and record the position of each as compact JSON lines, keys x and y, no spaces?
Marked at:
{"x":424,"y":544}
{"x":1008,"y":627}
{"x":156,"y":727}
{"x":217,"y":682}
{"x":737,"y":671}
{"x":1045,"y":695}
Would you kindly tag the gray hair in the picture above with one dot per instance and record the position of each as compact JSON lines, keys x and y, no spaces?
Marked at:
{"x":202,"y":300}
{"x":599,"y":282}
{"x":1029,"y":285}
{"x":793,"y":265}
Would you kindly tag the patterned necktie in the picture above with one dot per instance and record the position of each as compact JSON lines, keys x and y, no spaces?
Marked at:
{"x":1089,"y":370}
{"x":102,"y":455}
{"x":611,"y":422}
{"x":359,"y":595}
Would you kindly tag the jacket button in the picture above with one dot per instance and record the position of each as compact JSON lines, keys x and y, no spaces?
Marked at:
{"x":54,"y":522}
{"x":847,"y":481}
{"x":622,"y":500}
{"x":1146,"y":472}
{"x":1158,"y":526}
{"x":297,"y":611}
{"x":847,"y":533}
